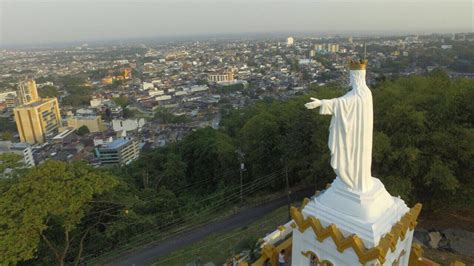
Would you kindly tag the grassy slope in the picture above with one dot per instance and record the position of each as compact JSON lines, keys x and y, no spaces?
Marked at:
{"x":218,"y":247}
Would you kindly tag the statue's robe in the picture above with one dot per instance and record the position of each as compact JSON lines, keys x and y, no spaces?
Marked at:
{"x":350,"y":137}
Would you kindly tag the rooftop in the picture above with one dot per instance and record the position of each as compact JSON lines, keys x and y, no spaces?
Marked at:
{"x":36,"y":103}
{"x":115,"y":144}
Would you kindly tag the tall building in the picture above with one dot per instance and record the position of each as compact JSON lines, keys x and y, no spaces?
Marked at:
{"x":318,"y":47}
{"x":333,"y":48}
{"x":11,"y":102}
{"x":290,"y":41}
{"x":27,"y":92}
{"x":38,"y":120}
{"x":118,"y":152}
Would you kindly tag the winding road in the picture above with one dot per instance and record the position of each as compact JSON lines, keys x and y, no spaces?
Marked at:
{"x":155,"y":250}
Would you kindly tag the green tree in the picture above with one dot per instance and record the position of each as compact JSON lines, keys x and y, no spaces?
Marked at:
{"x":47,"y":205}
{"x":260,"y":140}
{"x":48,"y":92}
{"x":9,"y":160}
{"x":83,"y":130}
{"x":208,"y":154}
{"x":122,"y":101}
{"x":6,"y":135}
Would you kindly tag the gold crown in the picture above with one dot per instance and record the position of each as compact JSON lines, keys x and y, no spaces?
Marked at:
{"x":358,"y":65}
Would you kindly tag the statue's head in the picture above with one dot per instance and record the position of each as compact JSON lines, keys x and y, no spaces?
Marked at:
{"x":357,"y":71}
{"x":358,"y":64}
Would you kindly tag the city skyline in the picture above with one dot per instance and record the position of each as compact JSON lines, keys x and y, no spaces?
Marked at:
{"x":87,"y":21}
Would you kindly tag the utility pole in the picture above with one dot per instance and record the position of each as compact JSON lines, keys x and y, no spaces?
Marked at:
{"x":365,"y":51}
{"x":241,"y":170}
{"x":285,"y":162}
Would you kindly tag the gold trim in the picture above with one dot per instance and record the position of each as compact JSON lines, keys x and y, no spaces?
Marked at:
{"x":417,"y":259}
{"x":271,"y":252}
{"x":305,"y":201}
{"x":396,"y":262}
{"x":389,"y":241}
{"x":318,"y":261}
{"x":358,"y":65}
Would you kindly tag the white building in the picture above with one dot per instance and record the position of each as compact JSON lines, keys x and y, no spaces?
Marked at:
{"x":290,"y":41}
{"x":22,"y":149}
{"x":304,"y":61}
{"x":118,"y":152}
{"x":127,"y":124}
{"x":4,"y":95}
{"x":95,"y":102}
{"x":155,"y":92}
{"x":197,"y":88}
{"x":163,"y":98}
{"x":147,"y":86}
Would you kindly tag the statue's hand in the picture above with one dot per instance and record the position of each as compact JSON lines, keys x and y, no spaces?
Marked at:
{"x":314,"y":104}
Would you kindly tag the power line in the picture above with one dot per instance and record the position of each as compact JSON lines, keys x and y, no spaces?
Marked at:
{"x":252,"y":187}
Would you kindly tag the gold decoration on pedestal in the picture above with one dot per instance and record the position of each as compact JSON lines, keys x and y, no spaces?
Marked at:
{"x":271,"y":252}
{"x":315,"y":259}
{"x":389,"y":241}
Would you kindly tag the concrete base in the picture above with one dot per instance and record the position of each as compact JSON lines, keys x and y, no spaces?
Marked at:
{"x":368,"y":215}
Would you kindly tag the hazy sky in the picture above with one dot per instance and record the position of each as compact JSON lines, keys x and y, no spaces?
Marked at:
{"x":36,"y":22}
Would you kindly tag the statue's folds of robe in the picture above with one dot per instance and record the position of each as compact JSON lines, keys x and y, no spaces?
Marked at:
{"x":350,"y":137}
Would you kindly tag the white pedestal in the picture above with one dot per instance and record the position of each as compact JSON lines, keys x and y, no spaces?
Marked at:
{"x":369,"y":215}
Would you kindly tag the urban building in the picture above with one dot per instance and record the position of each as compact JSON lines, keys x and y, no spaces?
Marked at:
{"x":92,"y":122}
{"x":127,"y":124}
{"x":11,"y":102}
{"x":118,"y":152}
{"x":27,"y":92}
{"x":290,"y":41}
{"x":319,"y":47}
{"x":221,"y":77}
{"x":37,"y":120}
{"x":333,"y":48}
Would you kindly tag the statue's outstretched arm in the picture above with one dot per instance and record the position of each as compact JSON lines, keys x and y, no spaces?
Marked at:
{"x":315,"y":103}
{"x":327,"y":106}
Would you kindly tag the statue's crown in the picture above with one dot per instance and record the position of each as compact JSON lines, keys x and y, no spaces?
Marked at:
{"x":358,"y":64}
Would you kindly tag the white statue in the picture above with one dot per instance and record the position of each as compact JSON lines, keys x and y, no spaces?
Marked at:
{"x":350,"y":137}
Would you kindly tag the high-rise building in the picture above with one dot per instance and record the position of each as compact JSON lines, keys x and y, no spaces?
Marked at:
{"x":333,"y":48}
{"x":11,"y":102}
{"x":38,"y":120}
{"x":290,"y":41}
{"x":318,"y":47}
{"x":27,"y":92}
{"x":350,"y":39}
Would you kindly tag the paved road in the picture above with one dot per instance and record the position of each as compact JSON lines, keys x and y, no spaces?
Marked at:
{"x":153,"y":251}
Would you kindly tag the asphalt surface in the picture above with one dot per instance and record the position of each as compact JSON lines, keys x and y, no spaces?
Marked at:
{"x":152,"y":252}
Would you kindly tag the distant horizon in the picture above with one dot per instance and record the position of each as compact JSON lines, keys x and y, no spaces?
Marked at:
{"x":43,"y":23}
{"x":223,"y":36}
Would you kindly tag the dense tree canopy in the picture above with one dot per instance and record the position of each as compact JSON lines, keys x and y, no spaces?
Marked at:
{"x":47,"y":204}
{"x":48,"y":92}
